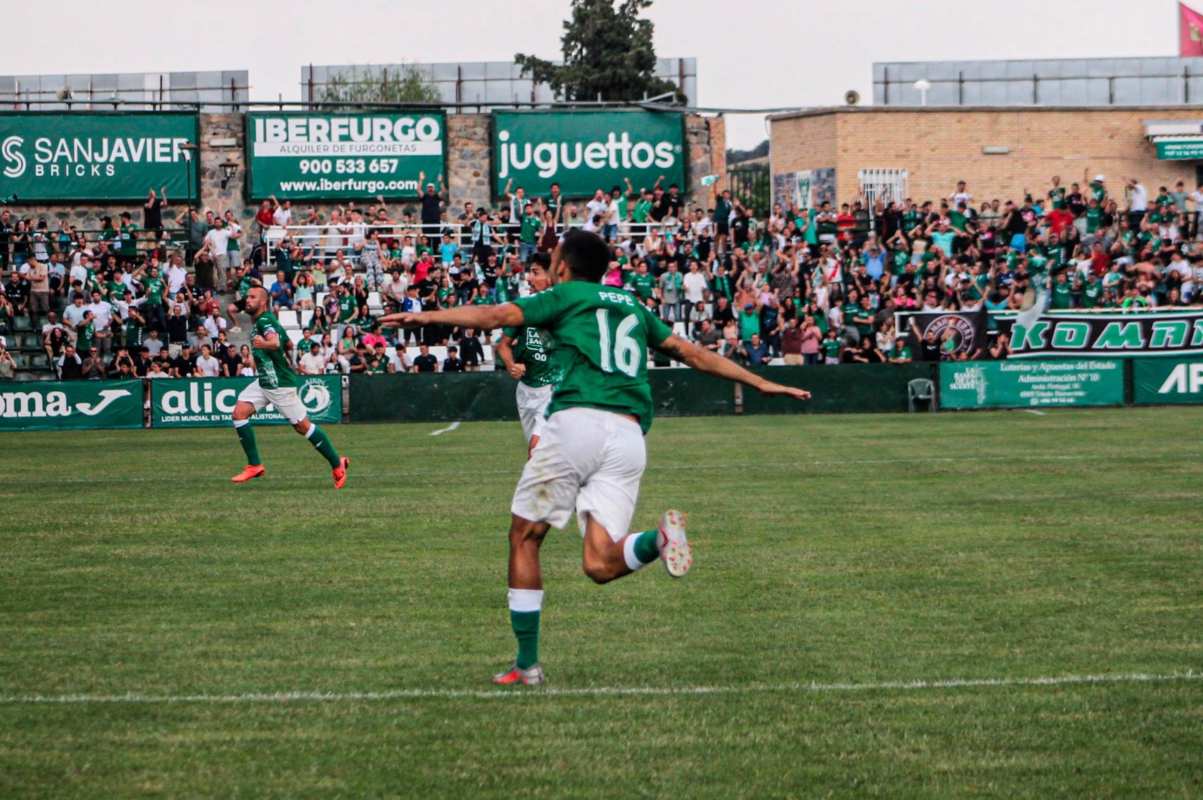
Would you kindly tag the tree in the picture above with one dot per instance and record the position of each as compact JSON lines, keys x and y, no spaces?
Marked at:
{"x":403,"y":85}
{"x":608,"y":53}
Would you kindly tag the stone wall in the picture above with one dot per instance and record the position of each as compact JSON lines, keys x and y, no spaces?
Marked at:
{"x":468,"y":166}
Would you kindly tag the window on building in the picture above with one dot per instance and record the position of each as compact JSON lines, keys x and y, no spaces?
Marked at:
{"x":887,"y":184}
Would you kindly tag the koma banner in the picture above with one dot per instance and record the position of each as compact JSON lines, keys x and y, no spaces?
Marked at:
{"x":584,"y":151}
{"x":303,"y":156}
{"x":206,"y":402}
{"x":39,"y":405}
{"x":47,"y":156}
{"x":1107,"y":334}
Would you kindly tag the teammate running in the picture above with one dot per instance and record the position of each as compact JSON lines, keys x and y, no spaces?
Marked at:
{"x":276,"y":384}
{"x":526,"y":354}
{"x":591,"y":453}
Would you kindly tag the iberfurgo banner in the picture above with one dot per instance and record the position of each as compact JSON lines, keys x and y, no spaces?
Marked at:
{"x":584,"y":151}
{"x":1107,"y":334}
{"x":47,"y":156}
{"x":305,"y":156}
{"x":206,"y":402}
{"x":45,"y":405}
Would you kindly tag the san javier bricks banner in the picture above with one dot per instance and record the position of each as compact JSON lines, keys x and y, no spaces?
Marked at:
{"x":958,"y":332}
{"x":1157,"y":381}
{"x":584,"y":151}
{"x":48,"y":156}
{"x":1107,"y":335}
{"x":40,"y":405}
{"x":202,"y":402}
{"x":1031,"y":384}
{"x":309,"y":156}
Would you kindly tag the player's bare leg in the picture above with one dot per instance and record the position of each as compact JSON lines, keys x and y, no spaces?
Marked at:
{"x":605,"y":560}
{"x":525,"y":601}
{"x":246,"y":437}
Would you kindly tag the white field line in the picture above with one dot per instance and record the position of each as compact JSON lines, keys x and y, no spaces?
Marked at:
{"x":318,"y":475}
{"x":448,"y":429}
{"x":1034,"y":411}
{"x":596,"y":691}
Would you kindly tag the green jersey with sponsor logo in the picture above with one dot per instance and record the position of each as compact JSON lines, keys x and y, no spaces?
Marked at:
{"x":601,"y":338}
{"x":533,"y":347}
{"x":272,"y":365}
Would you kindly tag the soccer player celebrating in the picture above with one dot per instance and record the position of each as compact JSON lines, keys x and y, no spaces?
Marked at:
{"x":591,"y":453}
{"x":526,"y":354}
{"x":276,"y":384}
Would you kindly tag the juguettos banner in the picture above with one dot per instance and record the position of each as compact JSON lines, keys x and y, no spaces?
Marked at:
{"x":38,"y":405}
{"x":205,"y":402}
{"x":96,"y":156}
{"x":584,"y":151}
{"x":305,"y":156}
{"x":1030,"y":384}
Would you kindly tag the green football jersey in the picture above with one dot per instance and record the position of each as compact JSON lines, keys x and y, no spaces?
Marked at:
{"x":601,"y":338}
{"x":534,"y":348}
{"x":272,"y":365}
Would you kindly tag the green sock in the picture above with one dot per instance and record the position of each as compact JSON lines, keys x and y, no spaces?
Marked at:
{"x":246,"y":437}
{"x":321,"y":443}
{"x":525,"y":609}
{"x":526,"y":631}
{"x":647,"y":546}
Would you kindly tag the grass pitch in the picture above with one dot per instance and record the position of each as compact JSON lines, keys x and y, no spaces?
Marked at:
{"x":151,"y":614}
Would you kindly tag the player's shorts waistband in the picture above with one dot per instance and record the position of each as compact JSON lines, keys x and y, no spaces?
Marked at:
{"x":599,"y":416}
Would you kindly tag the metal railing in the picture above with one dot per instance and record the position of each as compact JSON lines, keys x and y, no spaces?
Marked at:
{"x":322,"y":243}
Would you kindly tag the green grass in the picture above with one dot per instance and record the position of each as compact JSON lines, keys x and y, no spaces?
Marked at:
{"x":830,"y":549}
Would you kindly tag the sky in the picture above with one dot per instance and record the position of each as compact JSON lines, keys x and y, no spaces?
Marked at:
{"x":751,"y":54}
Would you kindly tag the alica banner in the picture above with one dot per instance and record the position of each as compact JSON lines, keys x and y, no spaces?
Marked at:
{"x":206,"y":402}
{"x":52,"y":156}
{"x":1031,"y":384}
{"x":305,"y":156}
{"x":584,"y":151}
{"x":44,"y":405}
{"x":1107,"y":335}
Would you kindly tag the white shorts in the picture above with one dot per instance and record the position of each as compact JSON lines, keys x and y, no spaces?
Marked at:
{"x":587,"y":461}
{"x":285,"y":400}
{"x":532,"y":407}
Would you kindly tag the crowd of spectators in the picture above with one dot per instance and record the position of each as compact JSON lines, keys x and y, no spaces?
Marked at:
{"x":806,"y":285}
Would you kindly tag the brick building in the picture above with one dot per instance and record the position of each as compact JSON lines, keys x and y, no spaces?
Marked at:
{"x":921,"y":152}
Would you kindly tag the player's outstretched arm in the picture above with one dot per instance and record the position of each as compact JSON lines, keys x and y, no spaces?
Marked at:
{"x":706,"y":361}
{"x":506,"y":315}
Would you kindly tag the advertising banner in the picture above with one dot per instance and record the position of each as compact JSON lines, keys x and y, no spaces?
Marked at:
{"x":312,"y":156}
{"x":1167,"y":380}
{"x":48,"y":156}
{"x":956,"y":332}
{"x":45,"y":405}
{"x":584,"y":151}
{"x":1106,"y":335}
{"x":204,"y":402}
{"x":1031,"y":384}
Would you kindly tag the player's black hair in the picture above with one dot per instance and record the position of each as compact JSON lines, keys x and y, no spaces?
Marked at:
{"x":586,"y":254}
{"x":542,"y":259}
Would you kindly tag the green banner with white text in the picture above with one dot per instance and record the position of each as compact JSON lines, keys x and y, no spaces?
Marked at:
{"x":1158,"y":381}
{"x":47,"y":156}
{"x":54,"y":405}
{"x":206,"y":402}
{"x":584,"y":151}
{"x":1031,"y":384}
{"x":312,"y":156}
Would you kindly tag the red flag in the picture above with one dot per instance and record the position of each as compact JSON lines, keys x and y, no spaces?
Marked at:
{"x":1190,"y":31}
